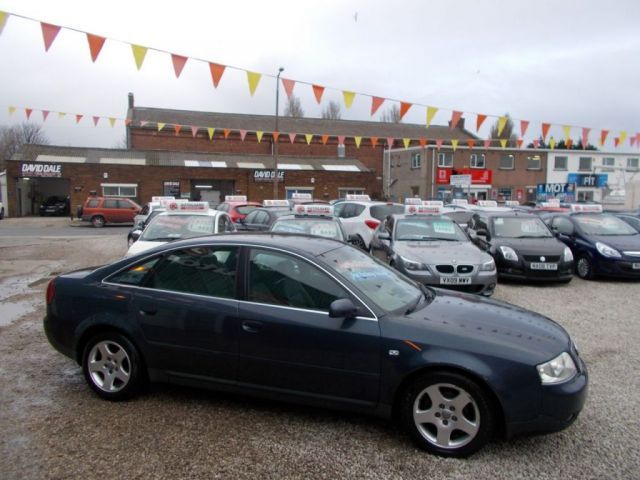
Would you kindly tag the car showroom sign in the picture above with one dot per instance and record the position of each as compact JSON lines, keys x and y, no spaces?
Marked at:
{"x":598,"y":180}
{"x":267,"y":175}
{"x":565,"y":192}
{"x":51,"y":170}
{"x":479,"y":176}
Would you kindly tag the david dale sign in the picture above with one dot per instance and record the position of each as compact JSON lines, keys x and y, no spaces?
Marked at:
{"x":51,"y":170}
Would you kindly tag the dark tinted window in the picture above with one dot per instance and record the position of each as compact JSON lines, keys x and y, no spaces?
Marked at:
{"x":381,"y":212}
{"x":261,"y":218}
{"x":250,"y":218}
{"x":461,"y":218}
{"x":633,"y":221}
{"x":124,"y":204}
{"x":93,"y":203}
{"x":145,"y":210}
{"x":224,"y":207}
{"x":135,"y":275}
{"x":244,"y":209}
{"x":110,"y":204}
{"x":563,"y":225}
{"x":225,"y":224}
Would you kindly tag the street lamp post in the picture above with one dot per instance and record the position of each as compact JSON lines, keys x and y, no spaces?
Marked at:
{"x":275,"y":140}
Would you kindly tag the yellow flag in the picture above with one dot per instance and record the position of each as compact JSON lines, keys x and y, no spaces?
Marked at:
{"x":348,"y":98}
{"x":623,"y":137}
{"x":254,"y":79}
{"x":259,"y":135}
{"x":454,"y":144}
{"x":211,"y":132}
{"x":502,"y":122}
{"x":138,"y":54}
{"x":431,"y":112}
{"x":358,"y":140}
{"x":503,"y":142}
{"x":112,"y":121}
{"x":406,"y":142}
{"x":309,"y":137}
{"x":161,"y":126}
{"x":3,"y":20}
{"x":552,"y":143}
{"x":62,"y":114}
{"x":11,"y":110}
{"x":566,"y":129}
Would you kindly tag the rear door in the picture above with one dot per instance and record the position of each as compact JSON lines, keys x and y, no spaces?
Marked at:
{"x":110,"y":210}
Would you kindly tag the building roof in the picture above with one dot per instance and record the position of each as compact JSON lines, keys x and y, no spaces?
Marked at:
{"x":164,"y":158}
{"x":316,"y":126}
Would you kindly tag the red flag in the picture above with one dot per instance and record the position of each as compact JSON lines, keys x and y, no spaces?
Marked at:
{"x":632,"y":141}
{"x":45,"y":114}
{"x":545,"y":130}
{"x":243,"y":134}
{"x":487,"y":143}
{"x":95,"y":121}
{"x":376,"y":102}
{"x":226,"y":132}
{"x":49,"y":33}
{"x":404,"y":108}
{"x":95,"y":45}
{"x":536,"y":143}
{"x":288,"y":86}
{"x":439,"y":143}
{"x":177,"y":129}
{"x":423,"y":142}
{"x":603,"y":136}
{"x":178,"y":63}
{"x":325,"y":139}
{"x":374,"y":141}
{"x":455,"y":118}
{"x":471,"y":143}
{"x":480,"y":118}
{"x":27,"y":112}
{"x":318,"y":91}
{"x":216,"y":73}
{"x":390,"y":141}
{"x":616,"y":142}
{"x":341,"y":139}
{"x":585,"y":137}
{"x":292,"y":137}
{"x":524,"y":124}
{"x":275,"y":136}
{"x":194,"y":131}
{"x":78,"y":118}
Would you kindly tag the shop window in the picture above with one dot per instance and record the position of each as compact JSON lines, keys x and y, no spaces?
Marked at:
{"x":119,"y":190}
{"x":445,"y":160}
{"x":171,"y":189}
{"x":632,"y":164}
{"x":534,"y":162}
{"x":507,"y":162}
{"x":477,"y":160}
{"x":504,"y":193}
{"x":560,"y":163}
{"x":585,"y":195}
{"x":585,"y":163}
{"x":343,"y":192}
{"x":416,"y":160}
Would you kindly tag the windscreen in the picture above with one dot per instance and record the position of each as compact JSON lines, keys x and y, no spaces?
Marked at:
{"x":319,"y":228}
{"x":603,"y":224}
{"x":429,"y":228}
{"x":165,"y":228}
{"x":520,"y":227}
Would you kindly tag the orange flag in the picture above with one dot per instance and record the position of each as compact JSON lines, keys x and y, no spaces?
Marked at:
{"x":569,"y":142}
{"x":616,"y":142}
{"x":49,"y":33}
{"x":288,"y":86}
{"x":455,"y":118}
{"x":27,"y":112}
{"x":127,"y":121}
{"x":95,"y":45}
{"x":275,"y":136}
{"x":545,"y":130}
{"x":524,"y":124}
{"x":216,"y":73}
{"x":404,"y":108}
{"x":423,"y":142}
{"x":603,"y":137}
{"x":178,"y":63}
{"x":519,"y":141}
{"x":471,"y":143}
{"x":376,"y":102}
{"x":480,"y":118}
{"x":325,"y":139}
{"x":177,"y":129}
{"x":226,"y":132}
{"x":318,"y":91}
{"x":374,"y":141}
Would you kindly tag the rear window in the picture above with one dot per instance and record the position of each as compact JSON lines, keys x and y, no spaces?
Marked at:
{"x":244,"y":209}
{"x":93,"y":203}
{"x":383,"y":211}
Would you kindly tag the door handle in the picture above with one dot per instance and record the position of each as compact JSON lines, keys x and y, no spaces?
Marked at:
{"x":148,"y":311}
{"x":251,"y":327}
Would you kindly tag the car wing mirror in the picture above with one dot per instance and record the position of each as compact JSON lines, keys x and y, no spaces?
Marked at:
{"x":136,"y":234}
{"x":343,"y":308}
{"x":384,"y":236}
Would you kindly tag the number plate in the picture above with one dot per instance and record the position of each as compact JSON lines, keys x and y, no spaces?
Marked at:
{"x":635,"y":266}
{"x":544,"y":266}
{"x":455,"y":281}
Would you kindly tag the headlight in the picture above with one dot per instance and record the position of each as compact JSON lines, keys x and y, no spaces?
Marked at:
{"x":509,"y":254}
{"x":606,"y":251}
{"x":411,"y":265}
{"x":568,"y":256}
{"x":489,"y":266}
{"x":558,"y":370}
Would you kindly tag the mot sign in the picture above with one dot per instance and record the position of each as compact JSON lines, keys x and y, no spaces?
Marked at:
{"x":460,"y":180}
{"x":267,"y":175}
{"x":561,"y":191}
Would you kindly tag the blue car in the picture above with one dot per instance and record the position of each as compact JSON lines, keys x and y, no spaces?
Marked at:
{"x":317,"y":321}
{"x":602,"y":244}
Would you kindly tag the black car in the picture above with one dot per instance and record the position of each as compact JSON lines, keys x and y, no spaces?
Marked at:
{"x":319,"y":322}
{"x":54,"y":206}
{"x":261,"y":219}
{"x":522,"y":246}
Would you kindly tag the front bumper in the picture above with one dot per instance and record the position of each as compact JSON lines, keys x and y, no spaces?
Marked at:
{"x":618,"y":268}
{"x":521,"y":270}
{"x":482,"y":283}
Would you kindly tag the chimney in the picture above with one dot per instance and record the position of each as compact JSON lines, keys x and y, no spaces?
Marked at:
{"x":460,"y":124}
{"x":130,"y":116}
{"x":130,"y":100}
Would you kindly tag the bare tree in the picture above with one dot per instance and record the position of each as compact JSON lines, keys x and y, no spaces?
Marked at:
{"x":507,"y":132}
{"x":13,"y":137}
{"x":332,"y":111}
{"x":391,"y":115}
{"x":293,"y":108}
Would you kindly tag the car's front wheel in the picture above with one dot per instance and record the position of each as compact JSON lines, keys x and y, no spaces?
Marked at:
{"x":447,"y":414}
{"x":112,"y":366}
{"x":584,"y":267}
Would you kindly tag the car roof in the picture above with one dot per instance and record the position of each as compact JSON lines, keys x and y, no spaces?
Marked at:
{"x":307,"y":217}
{"x":209,"y":213}
{"x":507,"y":213}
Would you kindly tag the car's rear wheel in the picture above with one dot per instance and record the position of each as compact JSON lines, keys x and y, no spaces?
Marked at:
{"x":584,"y":267}
{"x":97,"y":221}
{"x":359,"y":243}
{"x":112,"y":366}
{"x":447,"y":414}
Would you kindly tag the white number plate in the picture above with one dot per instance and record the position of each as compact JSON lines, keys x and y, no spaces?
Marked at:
{"x":455,"y":281}
{"x":635,"y":266}
{"x":544,"y":266}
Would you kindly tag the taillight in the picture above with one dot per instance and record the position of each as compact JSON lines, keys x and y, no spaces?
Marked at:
{"x":372,"y":224}
{"x":51,"y":291}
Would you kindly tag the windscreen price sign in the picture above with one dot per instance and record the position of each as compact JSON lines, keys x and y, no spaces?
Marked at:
{"x":267,"y":175}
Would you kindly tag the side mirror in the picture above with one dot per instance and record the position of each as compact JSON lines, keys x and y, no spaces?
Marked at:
{"x":342,"y":308}
{"x":136,"y":235}
{"x":384,"y":236}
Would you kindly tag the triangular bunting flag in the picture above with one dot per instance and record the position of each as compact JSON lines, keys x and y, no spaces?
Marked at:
{"x":325,"y":139}
{"x":569,"y":142}
{"x":243,"y":134}
{"x":127,"y":122}
{"x":275,"y":136}
{"x":406,"y":142}
{"x":423,"y":142}
{"x":566,"y":130}
{"x":288,"y":86}
{"x":503,"y":142}
{"x":487,"y":143}
{"x":632,"y":141}
{"x":194,"y":131}
{"x":253,"y":78}
{"x":177,"y":129}
{"x":471,"y":143}
{"x":455,"y":118}
{"x":431,"y":112}
{"x":603,"y":137}
{"x":585,"y":137}
{"x":318,"y":91}
{"x":536,"y":143}
{"x":348,"y":98}
{"x":439,"y":142}
{"x":623,"y":137}
{"x":95,"y":121}
{"x":226,"y":132}
{"x":524,"y":124}
{"x":11,"y":110}
{"x":519,"y":142}
{"x":3,"y":20}
{"x":61,"y":114}
{"x":454,"y":144}
{"x":309,"y":137}
{"x":112,"y":121}
{"x":27,"y":112}
{"x":143,"y":123}
{"x":376,"y":103}
{"x":138,"y":54}
{"x":404,"y":108}
{"x":341,"y":139}
{"x":49,"y":33}
{"x":45,"y":114}
{"x":374,"y":141}
{"x":292,"y":137}
{"x":78,"y":118}
{"x":211,"y":131}
{"x":216,"y":73}
{"x":95,"y":45}
{"x":552,"y":143}
{"x":160,"y":126}
{"x":390,"y":141}
{"x":178,"y":63}
{"x":358,"y":140}
{"x":545,"y":130}
{"x":502,"y":122}
{"x":259,"y":135}
{"x":616,"y":142}
{"x":480,"y":118}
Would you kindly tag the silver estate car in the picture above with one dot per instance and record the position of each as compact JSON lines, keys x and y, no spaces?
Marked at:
{"x":434,"y":250}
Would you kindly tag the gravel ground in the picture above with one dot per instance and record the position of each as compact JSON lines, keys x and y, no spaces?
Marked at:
{"x":54,"y":427}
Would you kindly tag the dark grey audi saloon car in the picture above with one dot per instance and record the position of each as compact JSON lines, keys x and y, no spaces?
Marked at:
{"x":317,"y":321}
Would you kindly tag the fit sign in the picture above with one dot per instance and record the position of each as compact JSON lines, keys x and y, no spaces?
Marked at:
{"x":51,"y":170}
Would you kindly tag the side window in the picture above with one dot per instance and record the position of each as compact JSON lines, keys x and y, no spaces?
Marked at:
{"x":124,"y":204}
{"x":348,"y":211}
{"x":337,"y":209}
{"x":262,"y":218}
{"x":135,"y":275}
{"x":357,"y":210}
{"x":200,"y":270}
{"x":93,"y":203}
{"x":145,"y":210}
{"x":109,"y":203}
{"x":251,"y":217}
{"x":224,"y":224}
{"x":563,"y":225}
{"x":281,"y":279}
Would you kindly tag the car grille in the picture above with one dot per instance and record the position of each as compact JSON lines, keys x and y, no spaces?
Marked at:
{"x":632,"y":254}
{"x":465,"y":268}
{"x":444,"y":268}
{"x":547,"y":258}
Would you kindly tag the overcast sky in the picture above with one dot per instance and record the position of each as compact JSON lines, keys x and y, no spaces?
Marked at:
{"x":565,"y":62}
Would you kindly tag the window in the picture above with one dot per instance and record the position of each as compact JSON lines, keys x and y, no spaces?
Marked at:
{"x":110,"y":203}
{"x":506,"y":162}
{"x":281,"y":279}
{"x":135,"y":275}
{"x":351,"y":210}
{"x":534,"y":162}
{"x":416,"y":160}
{"x":119,"y":190}
{"x":225,"y":224}
{"x":343,"y":192}
{"x":445,"y":160}
{"x":93,"y":203}
{"x":341,"y":151}
{"x":258,"y":218}
{"x":632,"y":164}
{"x":608,"y":162}
{"x":560,"y":163}
{"x":585,"y":195}
{"x":171,"y":189}
{"x":477,"y":160}
{"x":504,"y":193}
{"x":145,"y":210}
{"x":585,"y":163}
{"x":125,"y":204}
{"x":415,"y":191}
{"x":563,"y":225}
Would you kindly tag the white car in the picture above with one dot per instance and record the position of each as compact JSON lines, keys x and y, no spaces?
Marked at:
{"x":155,"y":204}
{"x":360,"y":217}
{"x":181,"y":224}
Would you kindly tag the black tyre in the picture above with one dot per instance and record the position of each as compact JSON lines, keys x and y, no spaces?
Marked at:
{"x":1,"y":213}
{"x":447,"y":414}
{"x":359,"y":243}
{"x":112,"y":366}
{"x":98,"y":221}
{"x":584,"y":267}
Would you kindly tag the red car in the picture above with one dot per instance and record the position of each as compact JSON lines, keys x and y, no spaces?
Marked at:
{"x":237,"y":210}
{"x":102,"y":210}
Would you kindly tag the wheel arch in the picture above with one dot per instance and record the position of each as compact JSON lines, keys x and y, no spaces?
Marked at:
{"x":93,"y":330}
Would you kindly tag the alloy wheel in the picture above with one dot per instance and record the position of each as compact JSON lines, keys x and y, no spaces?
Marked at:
{"x":109,"y":366}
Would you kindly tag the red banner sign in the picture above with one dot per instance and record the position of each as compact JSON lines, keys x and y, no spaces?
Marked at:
{"x":479,"y":176}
